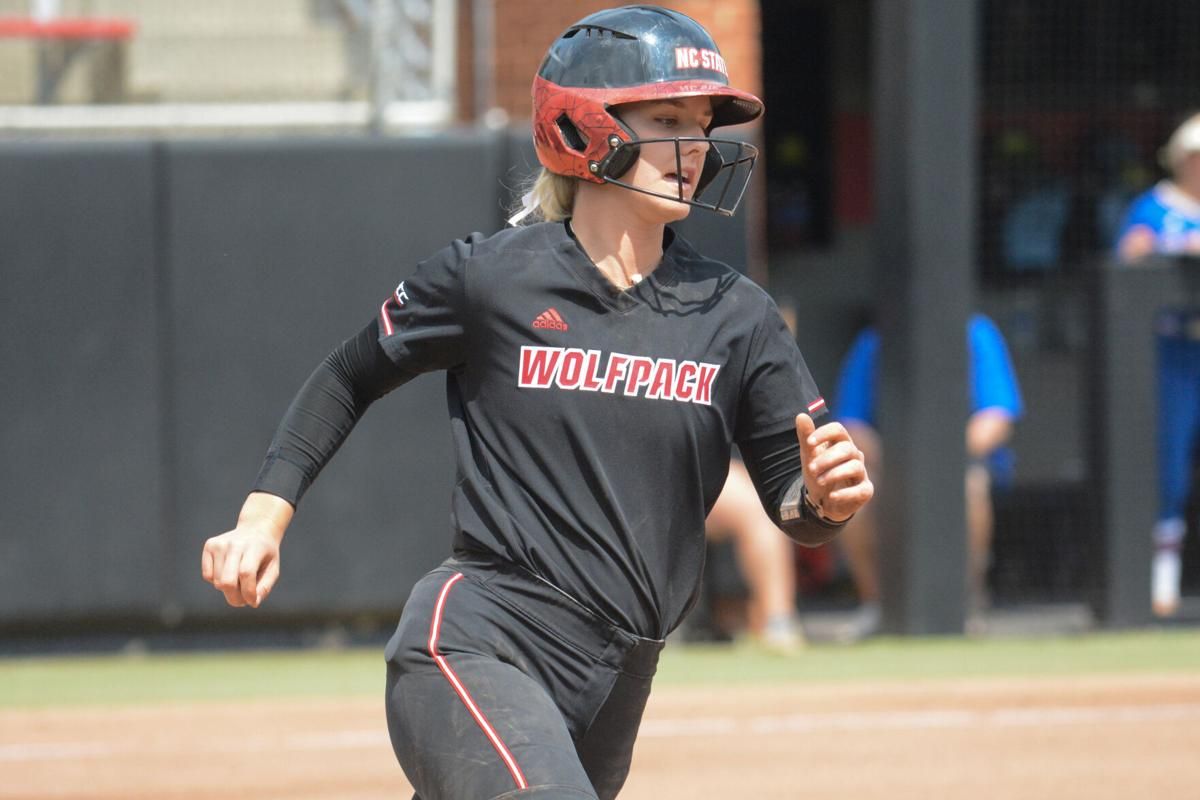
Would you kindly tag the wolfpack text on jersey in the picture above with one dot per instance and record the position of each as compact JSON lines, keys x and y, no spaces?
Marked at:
{"x":574,"y":369}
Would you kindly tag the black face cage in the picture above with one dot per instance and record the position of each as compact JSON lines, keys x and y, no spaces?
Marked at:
{"x":728,"y":165}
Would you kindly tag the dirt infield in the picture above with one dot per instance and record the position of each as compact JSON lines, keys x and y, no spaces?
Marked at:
{"x":1095,"y":738}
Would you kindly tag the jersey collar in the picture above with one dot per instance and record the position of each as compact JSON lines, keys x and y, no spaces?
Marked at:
{"x":623,"y":300}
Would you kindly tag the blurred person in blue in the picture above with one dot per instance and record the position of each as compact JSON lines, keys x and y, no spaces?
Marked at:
{"x":1166,"y":217}
{"x":1166,"y":220}
{"x":995,"y":405}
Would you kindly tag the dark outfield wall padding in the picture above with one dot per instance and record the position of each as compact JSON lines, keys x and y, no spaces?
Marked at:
{"x":162,"y":304}
{"x":277,"y":252}
{"x":79,"y":490}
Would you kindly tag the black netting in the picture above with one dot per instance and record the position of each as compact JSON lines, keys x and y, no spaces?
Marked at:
{"x":1076,"y":99}
{"x":1077,"y":96}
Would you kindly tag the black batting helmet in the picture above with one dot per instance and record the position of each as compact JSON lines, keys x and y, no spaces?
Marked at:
{"x":632,"y":54}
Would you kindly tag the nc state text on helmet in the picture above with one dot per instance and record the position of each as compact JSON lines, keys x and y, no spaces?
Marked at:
{"x":696,"y":58}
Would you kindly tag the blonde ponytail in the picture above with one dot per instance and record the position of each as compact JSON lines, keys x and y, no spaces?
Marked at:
{"x":550,"y":197}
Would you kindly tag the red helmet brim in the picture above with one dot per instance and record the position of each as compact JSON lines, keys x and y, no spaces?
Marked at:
{"x":589,"y":112}
{"x":739,"y":107}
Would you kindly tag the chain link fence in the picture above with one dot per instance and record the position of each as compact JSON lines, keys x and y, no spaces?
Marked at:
{"x":1077,"y":98}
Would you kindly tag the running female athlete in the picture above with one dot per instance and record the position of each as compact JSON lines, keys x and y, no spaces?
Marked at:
{"x":598,"y":370}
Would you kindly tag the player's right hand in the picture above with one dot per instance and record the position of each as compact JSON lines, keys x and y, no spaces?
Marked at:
{"x":835,"y":470}
{"x":242,"y":564}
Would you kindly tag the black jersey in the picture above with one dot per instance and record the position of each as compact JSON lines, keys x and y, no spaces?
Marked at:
{"x":592,"y":426}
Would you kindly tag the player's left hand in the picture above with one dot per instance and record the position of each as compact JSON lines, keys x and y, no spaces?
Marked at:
{"x":835,"y":472}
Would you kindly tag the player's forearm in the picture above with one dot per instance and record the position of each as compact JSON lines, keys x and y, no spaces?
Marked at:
{"x":774,"y":465}
{"x":324,"y":412}
{"x":802,"y":521}
{"x":988,"y":429}
{"x":1138,"y":243}
{"x":267,"y":513}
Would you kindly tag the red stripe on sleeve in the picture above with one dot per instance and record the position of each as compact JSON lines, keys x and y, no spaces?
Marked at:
{"x":383,"y":315}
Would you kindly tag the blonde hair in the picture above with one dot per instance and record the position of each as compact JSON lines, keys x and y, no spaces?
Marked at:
{"x":550,"y":197}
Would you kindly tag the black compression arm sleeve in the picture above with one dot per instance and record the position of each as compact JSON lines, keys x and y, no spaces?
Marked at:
{"x":324,"y":411}
{"x":774,"y":465}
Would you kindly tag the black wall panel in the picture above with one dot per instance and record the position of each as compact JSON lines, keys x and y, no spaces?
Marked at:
{"x":277,"y":252}
{"x":162,"y":303}
{"x":80,"y":441}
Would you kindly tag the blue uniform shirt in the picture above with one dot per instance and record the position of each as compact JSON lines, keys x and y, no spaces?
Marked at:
{"x":993,"y":382}
{"x":1173,"y":217}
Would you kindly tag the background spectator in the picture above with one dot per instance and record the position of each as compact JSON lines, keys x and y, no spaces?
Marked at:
{"x":995,"y":404}
{"x":1166,"y":219}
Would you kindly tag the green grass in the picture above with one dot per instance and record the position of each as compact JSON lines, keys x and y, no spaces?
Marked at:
{"x":941,"y":658}
{"x":124,"y":680}
{"x":130,"y":680}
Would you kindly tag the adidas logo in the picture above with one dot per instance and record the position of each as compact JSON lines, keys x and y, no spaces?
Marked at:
{"x":550,"y":320}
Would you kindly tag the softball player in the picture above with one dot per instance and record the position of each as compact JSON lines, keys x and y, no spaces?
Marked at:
{"x":598,"y":369}
{"x":1166,"y":219}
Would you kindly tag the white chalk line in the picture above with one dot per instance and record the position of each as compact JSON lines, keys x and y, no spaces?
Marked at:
{"x":920,"y":720}
{"x":934,"y":719}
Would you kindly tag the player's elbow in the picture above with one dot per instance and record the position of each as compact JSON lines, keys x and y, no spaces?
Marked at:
{"x":810,"y":533}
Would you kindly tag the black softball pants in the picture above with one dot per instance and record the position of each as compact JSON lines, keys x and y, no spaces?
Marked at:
{"x":499,"y":685}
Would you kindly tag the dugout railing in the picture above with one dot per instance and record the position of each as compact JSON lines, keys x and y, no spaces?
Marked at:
{"x":1123,"y":425}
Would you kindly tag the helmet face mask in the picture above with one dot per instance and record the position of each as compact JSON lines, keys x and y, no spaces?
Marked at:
{"x":628,"y":55}
{"x":728,"y":164}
